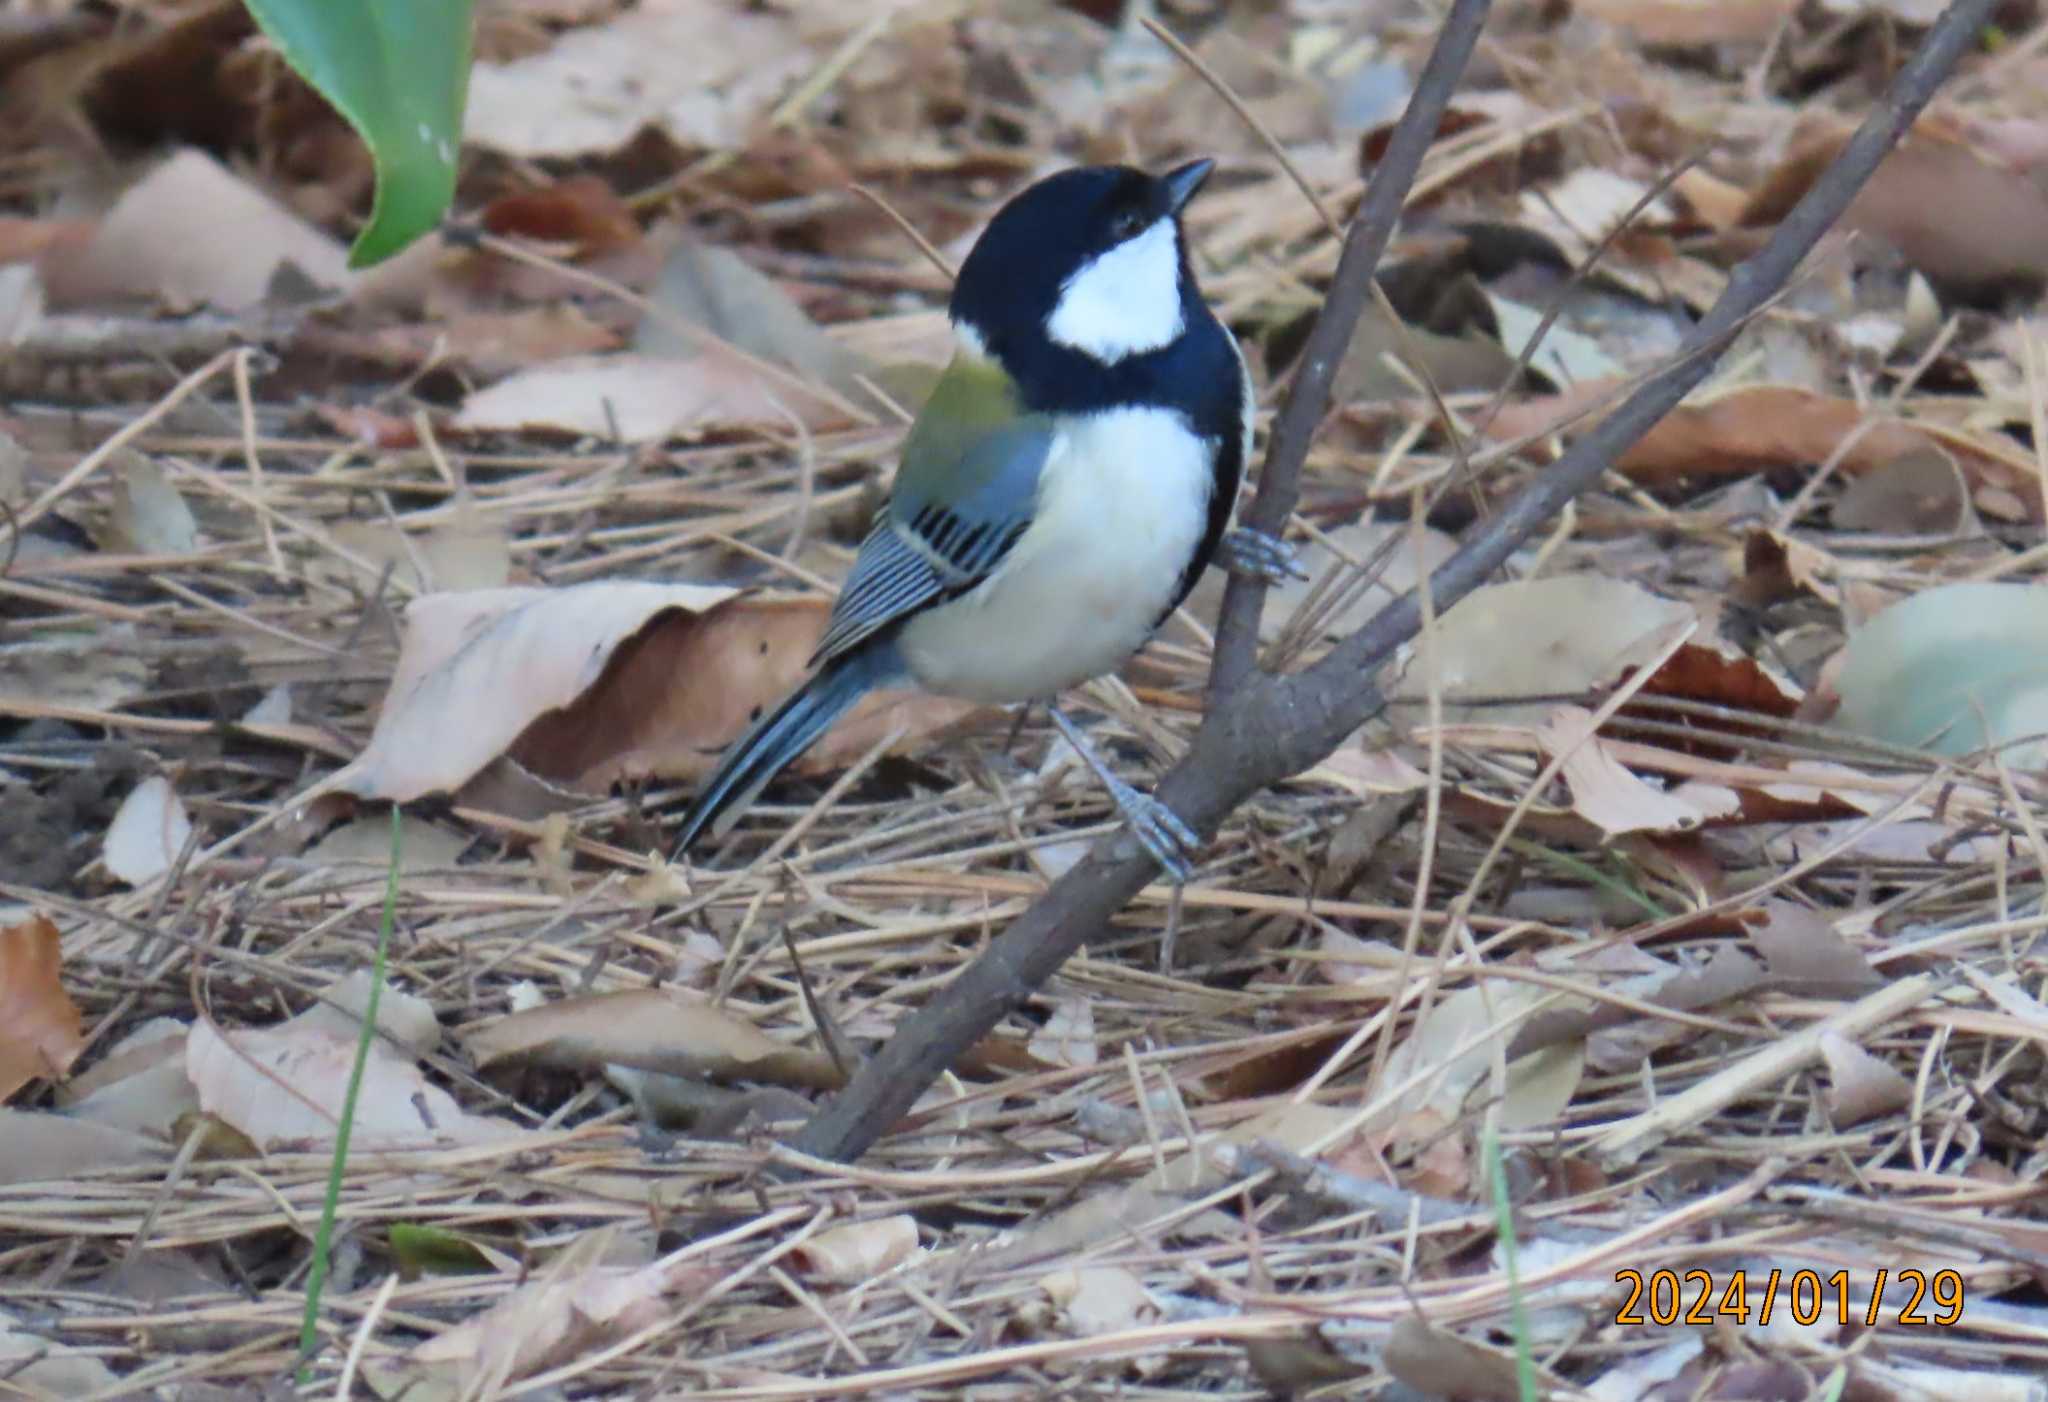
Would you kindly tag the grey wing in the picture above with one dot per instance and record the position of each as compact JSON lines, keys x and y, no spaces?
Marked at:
{"x":945,"y":529}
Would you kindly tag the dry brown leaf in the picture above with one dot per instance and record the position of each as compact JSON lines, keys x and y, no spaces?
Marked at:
{"x":859,"y":1251}
{"x":1101,"y":1299}
{"x":657,"y":1029}
{"x":41,"y":1029}
{"x":630,"y":398}
{"x":567,"y":1313}
{"x":1690,"y":23}
{"x":148,"y":833}
{"x":1438,"y":1363}
{"x":701,"y":74}
{"x":1807,"y":955}
{"x":581,"y":211}
{"x":1863,"y":1086}
{"x":1949,"y":199}
{"x":161,"y":241}
{"x":593,"y":684}
{"x":1606,"y":794}
{"x":285,"y":1085}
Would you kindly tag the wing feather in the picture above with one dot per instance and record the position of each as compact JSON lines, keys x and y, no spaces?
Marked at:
{"x":935,"y":540}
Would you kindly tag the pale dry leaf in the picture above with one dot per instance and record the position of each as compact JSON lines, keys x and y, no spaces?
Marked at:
{"x":470,"y":552}
{"x":859,"y":1251}
{"x":1453,"y":1048}
{"x":403,"y":1017}
{"x":1096,"y":1300}
{"x":1863,"y":1086}
{"x":701,"y":74}
{"x":38,"y":1366}
{"x":714,"y":288}
{"x":285,"y":1085}
{"x":630,"y":398}
{"x":1068,"y":1036}
{"x":148,"y":833}
{"x":423,"y":846}
{"x":148,"y":515}
{"x":565,"y":1314}
{"x":41,"y":1029}
{"x":162,"y":241}
{"x":1438,"y":1363}
{"x":139,"y":1086}
{"x":1806,"y":954}
{"x":1538,"y":637}
{"x":38,"y":1147}
{"x":475,"y":669}
{"x":98,"y":670}
{"x":1604,"y":791}
{"x":656,"y":1029}
{"x":1693,"y":22}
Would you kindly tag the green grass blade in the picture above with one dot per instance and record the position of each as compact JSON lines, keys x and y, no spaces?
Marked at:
{"x":316,"y":1274}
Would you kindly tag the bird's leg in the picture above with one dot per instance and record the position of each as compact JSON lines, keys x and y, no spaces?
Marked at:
{"x":1171,"y":842}
{"x":1260,"y":556}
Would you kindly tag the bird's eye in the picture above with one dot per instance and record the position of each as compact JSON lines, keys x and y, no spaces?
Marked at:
{"x":1126,"y":224}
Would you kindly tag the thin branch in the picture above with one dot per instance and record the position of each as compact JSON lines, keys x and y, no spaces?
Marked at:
{"x":1271,"y":727}
{"x":1308,"y":400}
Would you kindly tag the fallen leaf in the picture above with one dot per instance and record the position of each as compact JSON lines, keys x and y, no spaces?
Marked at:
{"x":162,"y":241}
{"x":1438,"y":1363}
{"x":1606,"y":794}
{"x":702,"y":75}
{"x":571,"y":1311}
{"x":1096,"y":1300}
{"x":596,"y":683}
{"x":38,"y":1147}
{"x":148,"y":834}
{"x":1863,"y":1086}
{"x":139,"y":1085}
{"x":468,"y":553}
{"x":580,"y":211}
{"x":41,"y":1029}
{"x":1757,"y":428}
{"x":1805,"y":954}
{"x":423,"y":846}
{"x":629,"y":398}
{"x":656,"y":1029}
{"x":1952,"y":669}
{"x":1918,"y":493}
{"x":285,"y":1086}
{"x":859,"y":1251}
{"x":36,"y":1365}
{"x":1537,"y":637}
{"x":148,"y":515}
{"x":1692,"y":23}
{"x":1068,"y":1036}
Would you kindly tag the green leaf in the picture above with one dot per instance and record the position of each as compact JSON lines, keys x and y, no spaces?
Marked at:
{"x":398,"y":71}
{"x":431,"y":1251}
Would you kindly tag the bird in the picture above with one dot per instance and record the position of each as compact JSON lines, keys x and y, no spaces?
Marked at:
{"x":1074,"y":470}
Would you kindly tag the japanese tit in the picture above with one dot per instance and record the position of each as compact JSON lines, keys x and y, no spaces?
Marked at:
{"x":1073,"y":472}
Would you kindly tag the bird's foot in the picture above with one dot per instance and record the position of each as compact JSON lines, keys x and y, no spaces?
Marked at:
{"x":1159,"y":830}
{"x":1257,"y":555}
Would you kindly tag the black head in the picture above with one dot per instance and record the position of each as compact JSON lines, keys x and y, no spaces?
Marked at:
{"x":1089,"y":264}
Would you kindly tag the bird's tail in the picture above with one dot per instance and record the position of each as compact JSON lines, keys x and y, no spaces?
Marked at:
{"x":775,"y":740}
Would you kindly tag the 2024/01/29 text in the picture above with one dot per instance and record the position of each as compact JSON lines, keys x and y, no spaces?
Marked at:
{"x":1700,"y":1297}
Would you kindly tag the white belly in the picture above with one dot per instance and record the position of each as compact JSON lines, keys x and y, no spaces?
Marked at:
{"x":1123,"y":501}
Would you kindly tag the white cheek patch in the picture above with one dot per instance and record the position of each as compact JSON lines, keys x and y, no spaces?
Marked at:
{"x":1126,"y":301}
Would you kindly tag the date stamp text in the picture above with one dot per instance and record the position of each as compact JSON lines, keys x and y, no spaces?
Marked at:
{"x":1911,"y":1298}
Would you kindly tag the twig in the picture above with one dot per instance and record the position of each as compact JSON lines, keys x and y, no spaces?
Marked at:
{"x":1372,"y":228}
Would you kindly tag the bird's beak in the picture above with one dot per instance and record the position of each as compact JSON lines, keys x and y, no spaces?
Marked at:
{"x":1183,"y":181}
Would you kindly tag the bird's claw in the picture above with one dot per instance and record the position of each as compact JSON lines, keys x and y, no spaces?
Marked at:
{"x":1160,"y":831}
{"x":1257,"y":555}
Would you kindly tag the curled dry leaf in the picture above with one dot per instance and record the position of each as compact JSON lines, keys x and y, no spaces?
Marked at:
{"x":148,"y":833}
{"x":41,"y":1029}
{"x":597,"y":683}
{"x":1607,"y":795}
{"x":859,"y":1251}
{"x":656,"y":1029}
{"x":1863,"y":1086}
{"x":285,"y":1085}
{"x":1757,"y":428}
{"x":561,"y":1316}
{"x":1101,"y":1299}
